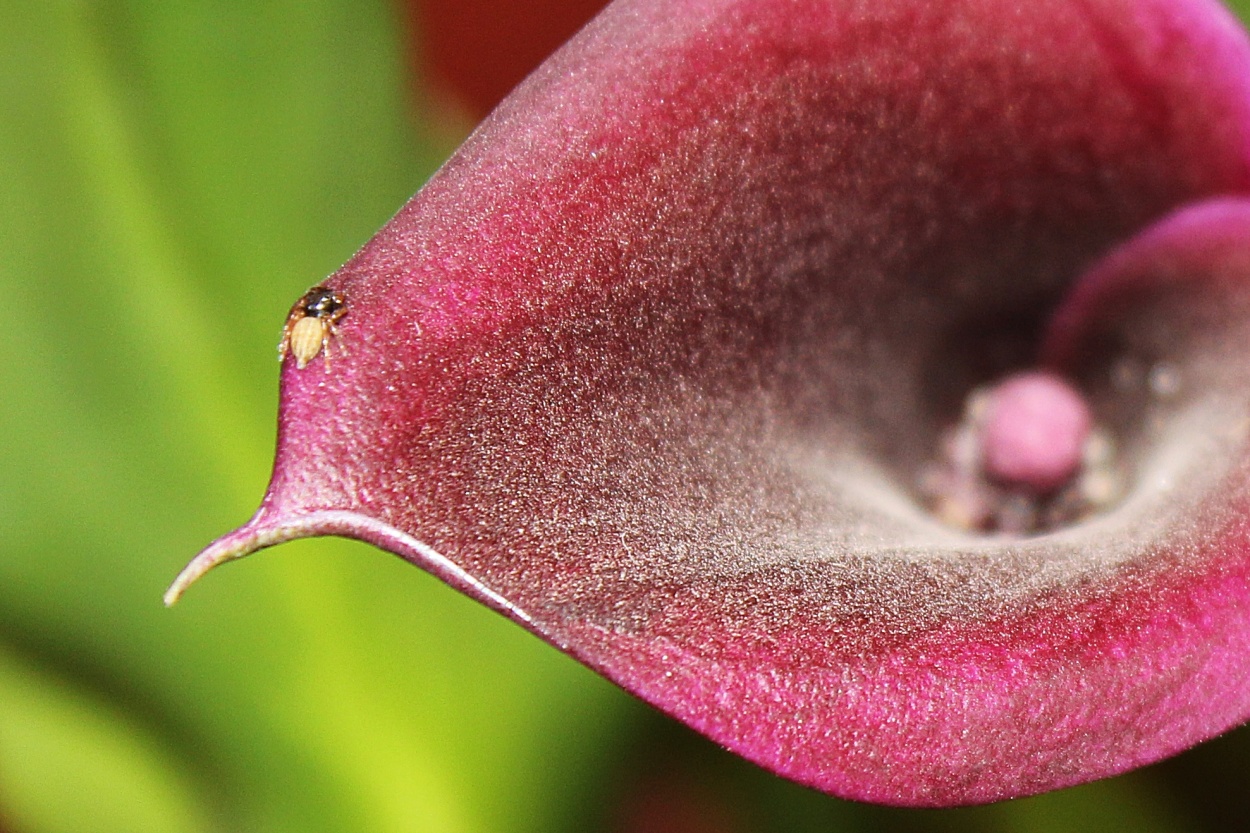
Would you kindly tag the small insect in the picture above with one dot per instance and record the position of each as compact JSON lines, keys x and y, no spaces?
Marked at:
{"x":311,"y":324}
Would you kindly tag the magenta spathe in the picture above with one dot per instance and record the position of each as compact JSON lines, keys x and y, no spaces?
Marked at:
{"x":653,"y":364}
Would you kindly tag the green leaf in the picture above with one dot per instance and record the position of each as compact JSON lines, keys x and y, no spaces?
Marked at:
{"x":72,"y":762}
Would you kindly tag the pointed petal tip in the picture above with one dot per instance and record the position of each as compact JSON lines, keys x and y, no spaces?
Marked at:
{"x":243,"y":541}
{"x":269,"y":528}
{"x":236,"y":544}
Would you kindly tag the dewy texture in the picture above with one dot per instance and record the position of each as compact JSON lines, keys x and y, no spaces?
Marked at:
{"x":651,"y":367}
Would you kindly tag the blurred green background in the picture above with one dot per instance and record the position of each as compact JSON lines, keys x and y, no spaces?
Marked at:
{"x":173,"y":175}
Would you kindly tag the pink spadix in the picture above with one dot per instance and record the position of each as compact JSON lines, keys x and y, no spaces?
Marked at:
{"x":1036,"y":425}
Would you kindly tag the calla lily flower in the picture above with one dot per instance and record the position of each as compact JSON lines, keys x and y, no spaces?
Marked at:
{"x":657,"y":364}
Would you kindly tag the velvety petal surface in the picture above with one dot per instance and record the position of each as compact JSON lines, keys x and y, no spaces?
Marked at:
{"x":653,"y":364}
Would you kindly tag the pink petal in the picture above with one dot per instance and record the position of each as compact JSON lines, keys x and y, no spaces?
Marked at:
{"x":652,"y":365}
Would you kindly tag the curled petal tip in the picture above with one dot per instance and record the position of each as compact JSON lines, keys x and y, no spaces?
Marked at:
{"x":243,"y":541}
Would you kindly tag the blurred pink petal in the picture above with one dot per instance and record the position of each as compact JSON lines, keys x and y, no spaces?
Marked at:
{"x":478,"y":50}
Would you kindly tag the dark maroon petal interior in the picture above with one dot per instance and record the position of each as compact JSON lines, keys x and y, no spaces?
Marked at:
{"x":653,"y":363}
